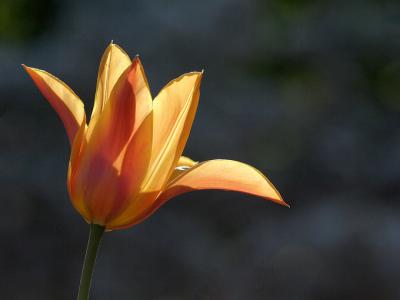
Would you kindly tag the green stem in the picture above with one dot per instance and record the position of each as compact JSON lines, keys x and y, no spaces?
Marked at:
{"x":95,"y":235}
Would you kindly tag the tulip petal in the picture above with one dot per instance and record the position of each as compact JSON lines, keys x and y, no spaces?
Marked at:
{"x":76,"y":154}
{"x":173,"y":111}
{"x":183,"y":165}
{"x":216,"y":174}
{"x":65,"y":102}
{"x":142,"y":199}
{"x":113,"y":63}
{"x":123,"y":127}
{"x":134,"y":167}
{"x":185,"y":161}
{"x":222,"y":174}
{"x":130,"y":103}
{"x":134,"y":213}
{"x":113,"y":188}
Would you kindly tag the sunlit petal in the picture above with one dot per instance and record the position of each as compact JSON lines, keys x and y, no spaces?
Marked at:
{"x":183,"y":165}
{"x":75,"y":158}
{"x":223,"y":174}
{"x":173,"y":111}
{"x":134,"y":212}
{"x":116,"y":132}
{"x":216,"y":174}
{"x":128,"y":160}
{"x":113,"y":63}
{"x":185,"y":161}
{"x":64,"y":101}
{"x":133,"y":168}
{"x":130,"y":103}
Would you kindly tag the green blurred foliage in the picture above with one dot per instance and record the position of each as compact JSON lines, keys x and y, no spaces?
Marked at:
{"x":22,"y":20}
{"x":387,"y":85}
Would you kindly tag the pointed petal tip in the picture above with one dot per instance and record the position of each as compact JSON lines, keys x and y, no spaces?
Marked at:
{"x":113,"y":46}
{"x":198,"y":74}
{"x":283,"y":203}
{"x":277,"y":199}
{"x":31,"y":71}
{"x":26,"y":67}
{"x":136,"y":60}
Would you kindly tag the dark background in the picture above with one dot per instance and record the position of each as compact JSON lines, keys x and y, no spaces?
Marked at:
{"x":306,"y":91}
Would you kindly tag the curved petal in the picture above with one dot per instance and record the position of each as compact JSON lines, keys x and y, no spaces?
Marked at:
{"x":125,"y":118}
{"x":113,"y":63}
{"x":183,"y":165}
{"x":65,"y":102}
{"x":133,"y":214}
{"x":216,"y":174}
{"x":130,"y":103}
{"x":219,"y":174}
{"x":223,"y":174}
{"x":139,"y":204}
{"x":185,"y":161}
{"x":76,"y":154}
{"x":110,"y":190}
{"x":134,"y":167}
{"x":173,"y":110}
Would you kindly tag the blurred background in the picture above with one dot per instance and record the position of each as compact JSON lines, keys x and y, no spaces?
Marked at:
{"x":306,"y":91}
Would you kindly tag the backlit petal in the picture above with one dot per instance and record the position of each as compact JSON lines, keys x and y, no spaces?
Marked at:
{"x":183,"y":165}
{"x":223,"y":174}
{"x":173,"y":111}
{"x":185,"y":161}
{"x":216,"y":174}
{"x":113,"y":63}
{"x":135,"y":212}
{"x":114,"y":137}
{"x":64,"y":101}
{"x":76,"y":154}
{"x":130,"y":103}
{"x":134,"y":167}
{"x":109,"y":190}
{"x":139,"y":205}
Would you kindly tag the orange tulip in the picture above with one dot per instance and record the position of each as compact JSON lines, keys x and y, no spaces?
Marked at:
{"x":126,"y":162}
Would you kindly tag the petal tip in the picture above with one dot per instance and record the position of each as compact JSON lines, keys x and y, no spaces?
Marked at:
{"x":278,"y":200}
{"x":33,"y":72}
{"x":136,"y":60}
{"x":285,"y":204}
{"x":26,"y":68}
{"x":112,"y":47}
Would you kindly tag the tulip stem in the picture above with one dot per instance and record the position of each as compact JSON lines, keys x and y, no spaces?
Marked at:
{"x":95,"y":235}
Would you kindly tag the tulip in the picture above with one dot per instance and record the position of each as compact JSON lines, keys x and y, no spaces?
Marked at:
{"x":127,"y":161}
